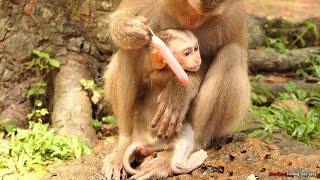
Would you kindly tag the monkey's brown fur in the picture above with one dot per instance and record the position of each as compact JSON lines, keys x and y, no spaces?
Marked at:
{"x":221,"y":91}
{"x":144,"y":137}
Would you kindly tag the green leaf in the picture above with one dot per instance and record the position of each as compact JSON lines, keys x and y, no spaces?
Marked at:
{"x":41,"y":54}
{"x":54,"y":63}
{"x":44,"y":111}
{"x":31,"y":92}
{"x":256,"y":133}
{"x":290,"y":87}
{"x":38,"y":102}
{"x":110,"y":120}
{"x":96,"y":123}
{"x":317,"y":70}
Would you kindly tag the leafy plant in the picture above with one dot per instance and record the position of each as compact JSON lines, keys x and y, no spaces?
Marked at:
{"x":37,"y":94}
{"x":301,"y":124}
{"x":304,"y":127}
{"x":42,"y":62}
{"x":93,"y":88}
{"x":105,"y":120}
{"x":277,"y":44}
{"x":36,"y":148}
{"x":37,"y":115}
{"x":292,"y":92}
{"x":260,"y":95}
{"x":312,"y":68}
{"x":282,"y":35}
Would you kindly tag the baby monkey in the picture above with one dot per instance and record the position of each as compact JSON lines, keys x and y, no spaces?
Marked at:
{"x":184,"y":46}
{"x":145,"y":140}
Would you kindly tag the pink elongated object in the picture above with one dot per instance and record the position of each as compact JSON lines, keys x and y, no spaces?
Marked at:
{"x":170,"y":59}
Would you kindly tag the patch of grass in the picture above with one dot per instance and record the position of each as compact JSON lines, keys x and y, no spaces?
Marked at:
{"x":312,"y":69}
{"x":304,"y":126}
{"x":35,"y":149}
{"x":282,"y":35}
{"x":260,"y":95}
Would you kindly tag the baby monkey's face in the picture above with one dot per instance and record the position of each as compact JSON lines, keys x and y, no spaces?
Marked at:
{"x":187,"y":54}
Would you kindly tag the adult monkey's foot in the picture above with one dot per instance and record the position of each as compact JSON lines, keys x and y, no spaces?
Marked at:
{"x":155,"y":168}
{"x":113,"y":168}
{"x":113,"y":164}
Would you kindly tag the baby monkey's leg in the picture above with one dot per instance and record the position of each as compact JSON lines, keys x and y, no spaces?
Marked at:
{"x":184,"y":159}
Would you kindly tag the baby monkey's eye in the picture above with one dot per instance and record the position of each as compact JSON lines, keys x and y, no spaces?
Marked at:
{"x":187,"y":53}
{"x":196,"y":48}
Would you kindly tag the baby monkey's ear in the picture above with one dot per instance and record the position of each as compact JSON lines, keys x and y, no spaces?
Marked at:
{"x":157,"y":62}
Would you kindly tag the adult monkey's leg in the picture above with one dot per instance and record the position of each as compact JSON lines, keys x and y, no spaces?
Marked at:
{"x":121,"y":84}
{"x":224,"y":96}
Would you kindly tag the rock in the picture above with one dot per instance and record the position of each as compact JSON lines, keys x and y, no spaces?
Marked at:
{"x":256,"y":33}
{"x":295,"y":106}
{"x":75,"y":44}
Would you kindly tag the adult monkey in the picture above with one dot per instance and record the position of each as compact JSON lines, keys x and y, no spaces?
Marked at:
{"x":221,"y":91}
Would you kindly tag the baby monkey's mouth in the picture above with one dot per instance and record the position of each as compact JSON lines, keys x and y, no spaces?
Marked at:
{"x":193,"y":69}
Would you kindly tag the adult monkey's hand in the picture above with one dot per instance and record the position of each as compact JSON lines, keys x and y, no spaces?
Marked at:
{"x":129,"y":32}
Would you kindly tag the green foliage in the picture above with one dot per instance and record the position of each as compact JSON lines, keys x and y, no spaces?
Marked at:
{"x":105,"y":120}
{"x":303,"y":126}
{"x":261,"y":95}
{"x":259,"y":77}
{"x":39,"y":89}
{"x":93,"y":88}
{"x":42,"y":62}
{"x":311,"y":98}
{"x":37,"y":94}
{"x":277,"y":44}
{"x":282,"y":35}
{"x":312,"y":68}
{"x":292,"y":92}
{"x":258,"y":99}
{"x":38,"y":147}
{"x":37,"y":115}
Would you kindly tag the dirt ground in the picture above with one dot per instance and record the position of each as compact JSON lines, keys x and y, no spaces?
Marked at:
{"x":294,"y":10}
{"x":257,"y":159}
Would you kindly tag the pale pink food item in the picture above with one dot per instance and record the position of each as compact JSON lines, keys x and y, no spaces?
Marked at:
{"x":170,"y":59}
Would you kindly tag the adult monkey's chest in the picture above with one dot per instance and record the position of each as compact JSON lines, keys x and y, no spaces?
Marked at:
{"x":211,"y":36}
